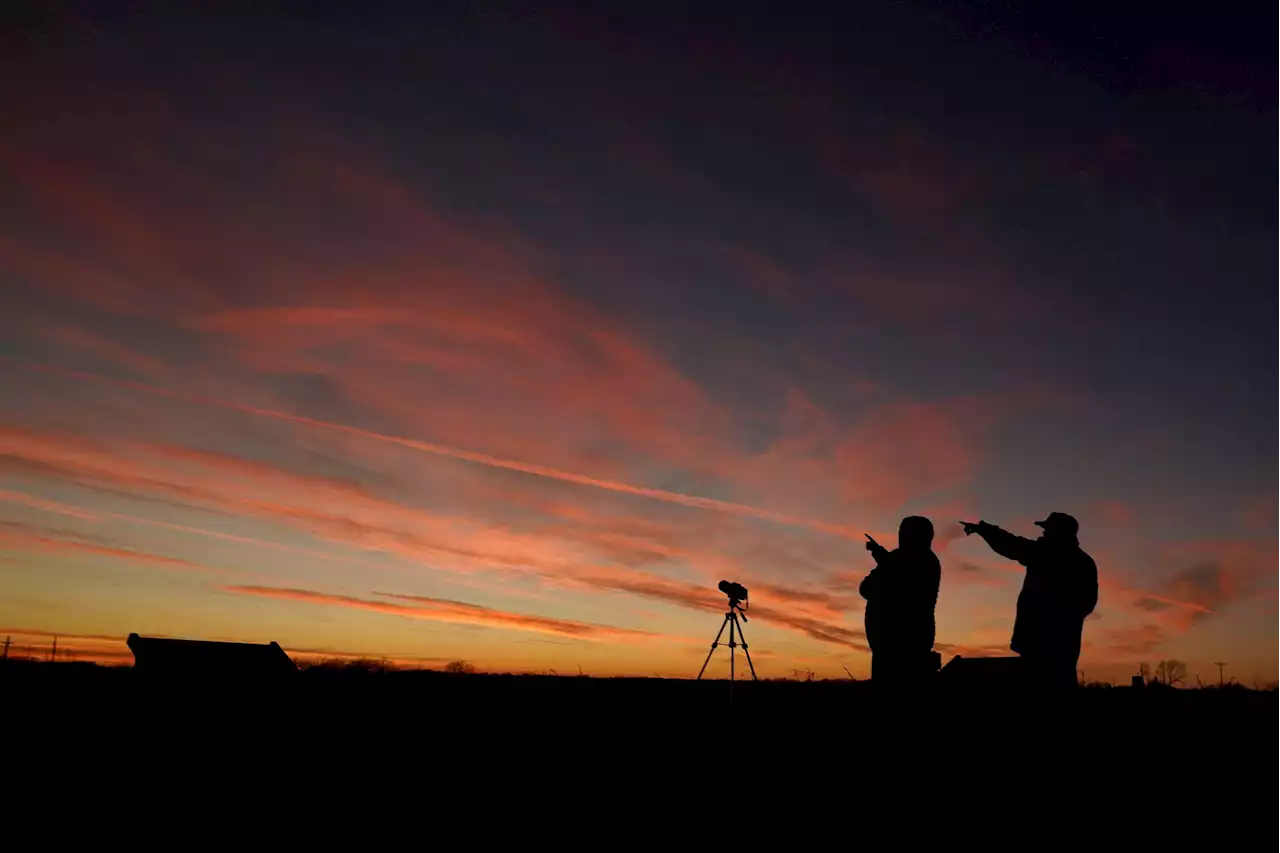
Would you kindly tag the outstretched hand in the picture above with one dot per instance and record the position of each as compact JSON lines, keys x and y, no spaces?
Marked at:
{"x":970,"y":527}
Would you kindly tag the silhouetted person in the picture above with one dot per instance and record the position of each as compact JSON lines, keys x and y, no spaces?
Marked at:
{"x":1059,"y":591}
{"x":901,"y":593}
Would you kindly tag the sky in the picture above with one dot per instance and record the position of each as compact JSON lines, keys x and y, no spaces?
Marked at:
{"x":502,"y":334}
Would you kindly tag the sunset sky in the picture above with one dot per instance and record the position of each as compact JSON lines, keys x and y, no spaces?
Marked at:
{"x":503,"y":336}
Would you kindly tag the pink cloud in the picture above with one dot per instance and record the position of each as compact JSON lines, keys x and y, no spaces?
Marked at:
{"x":439,"y":610}
{"x":1115,"y":513}
{"x":453,"y":341}
{"x":46,"y":505}
{"x":1140,"y":640}
{"x":698,"y":598}
{"x":27,"y":542}
{"x":893,"y":452}
{"x":1215,"y":574}
{"x":695,"y":501}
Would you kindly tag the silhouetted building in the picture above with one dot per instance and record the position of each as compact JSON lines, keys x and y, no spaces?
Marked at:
{"x":984,"y":675}
{"x":203,"y":665}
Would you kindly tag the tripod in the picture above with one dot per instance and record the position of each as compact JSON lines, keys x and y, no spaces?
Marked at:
{"x":731,"y":621}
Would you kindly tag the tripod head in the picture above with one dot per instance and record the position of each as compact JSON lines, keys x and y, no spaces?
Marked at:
{"x":737,"y":594}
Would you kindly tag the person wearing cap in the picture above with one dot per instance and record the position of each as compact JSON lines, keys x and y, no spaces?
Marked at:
{"x":901,"y":593}
{"x":1060,"y":589}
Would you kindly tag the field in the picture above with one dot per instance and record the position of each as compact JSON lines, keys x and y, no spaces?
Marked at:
{"x":1179,"y":769}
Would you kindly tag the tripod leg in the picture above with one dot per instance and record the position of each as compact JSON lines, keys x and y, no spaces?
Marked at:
{"x":747,"y":652}
{"x":732,"y":647}
{"x":714,"y":643}
{"x":733,"y":621}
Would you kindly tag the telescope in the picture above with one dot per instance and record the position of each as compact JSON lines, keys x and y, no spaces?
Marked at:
{"x":737,"y":594}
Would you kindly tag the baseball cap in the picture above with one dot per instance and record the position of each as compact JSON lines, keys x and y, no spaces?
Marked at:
{"x":1061,"y":522}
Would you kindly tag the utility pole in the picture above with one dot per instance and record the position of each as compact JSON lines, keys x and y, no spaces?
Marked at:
{"x":53,"y":655}
{"x":6,"y":647}
{"x":1219,"y":664}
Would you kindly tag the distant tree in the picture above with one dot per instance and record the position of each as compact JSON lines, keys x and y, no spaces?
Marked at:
{"x":1144,"y":670}
{"x":366,"y":666}
{"x":1170,"y":672}
{"x":459,"y":667}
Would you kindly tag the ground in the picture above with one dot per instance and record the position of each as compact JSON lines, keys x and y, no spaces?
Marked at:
{"x":791,"y":762}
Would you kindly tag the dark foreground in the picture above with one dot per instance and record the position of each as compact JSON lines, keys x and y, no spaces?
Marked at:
{"x":608,"y":761}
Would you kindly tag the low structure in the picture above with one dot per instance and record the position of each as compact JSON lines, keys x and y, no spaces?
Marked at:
{"x":984,"y":675}
{"x":203,"y":665}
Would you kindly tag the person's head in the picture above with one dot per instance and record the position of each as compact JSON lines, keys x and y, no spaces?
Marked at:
{"x":1059,"y":527}
{"x":915,"y":531}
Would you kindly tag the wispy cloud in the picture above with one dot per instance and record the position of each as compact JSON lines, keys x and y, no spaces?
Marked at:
{"x":440,"y":610}
{"x":348,"y":370}
{"x":696,"y":597}
{"x":46,"y":505}
{"x":534,"y":469}
{"x":34,"y":543}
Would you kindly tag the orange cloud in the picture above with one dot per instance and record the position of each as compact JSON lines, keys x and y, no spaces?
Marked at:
{"x":457,"y":333}
{"x":329,"y":508}
{"x":480,"y":331}
{"x":46,"y":505}
{"x":497,"y":462}
{"x":465,"y":317}
{"x":1215,"y":574}
{"x":440,"y":610}
{"x":891,"y":452}
{"x":101,"y":515}
{"x":1140,"y":640}
{"x":698,"y":598}
{"x":342,"y":512}
{"x":47,"y":544}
